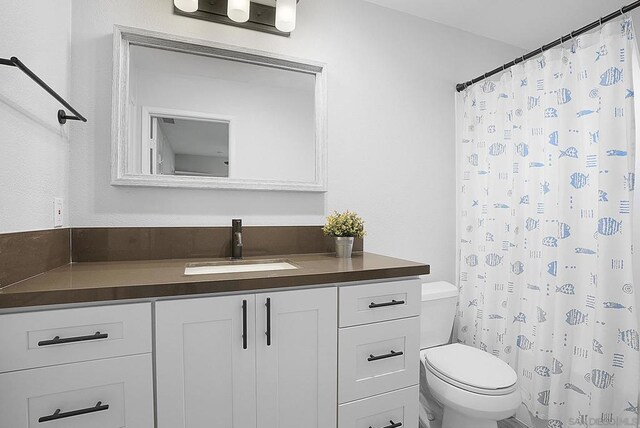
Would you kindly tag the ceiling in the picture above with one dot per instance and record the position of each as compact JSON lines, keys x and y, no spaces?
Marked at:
{"x":197,"y":137}
{"x":523,"y":23}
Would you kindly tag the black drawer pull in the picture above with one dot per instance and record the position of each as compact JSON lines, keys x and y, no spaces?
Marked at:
{"x":382,"y":305}
{"x":393,"y":425}
{"x":99,"y":407}
{"x":382,"y":357}
{"x":58,"y":340}
{"x":244,"y":324}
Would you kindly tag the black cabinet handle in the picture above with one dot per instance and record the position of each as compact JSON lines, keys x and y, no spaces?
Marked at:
{"x":382,"y":357}
{"x":393,"y":425}
{"x":382,"y":305}
{"x":244,"y":324}
{"x":58,"y":340}
{"x":268,"y":332}
{"x":99,"y":407}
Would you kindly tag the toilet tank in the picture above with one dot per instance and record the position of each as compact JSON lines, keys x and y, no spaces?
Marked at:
{"x":438,"y":312}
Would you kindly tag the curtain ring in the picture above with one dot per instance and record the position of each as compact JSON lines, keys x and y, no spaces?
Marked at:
{"x":573,"y":43}
{"x":622,"y":12}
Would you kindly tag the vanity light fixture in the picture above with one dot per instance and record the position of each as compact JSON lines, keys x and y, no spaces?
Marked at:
{"x":186,"y":5}
{"x":286,"y":15}
{"x":270,"y":16}
{"x":238,"y":10}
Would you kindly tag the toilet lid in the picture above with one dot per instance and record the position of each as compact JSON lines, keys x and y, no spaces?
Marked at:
{"x":471,"y":369}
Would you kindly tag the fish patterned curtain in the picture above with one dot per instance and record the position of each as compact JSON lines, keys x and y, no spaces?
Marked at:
{"x":546,"y":242}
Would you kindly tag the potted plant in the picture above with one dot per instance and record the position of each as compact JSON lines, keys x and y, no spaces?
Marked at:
{"x":344,"y":227}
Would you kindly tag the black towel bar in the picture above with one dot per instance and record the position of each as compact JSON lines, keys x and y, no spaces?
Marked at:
{"x":62,"y":115}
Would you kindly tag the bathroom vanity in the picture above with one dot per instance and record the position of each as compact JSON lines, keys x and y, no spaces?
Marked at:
{"x":329,"y":343}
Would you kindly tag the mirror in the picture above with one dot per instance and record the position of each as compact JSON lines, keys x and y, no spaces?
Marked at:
{"x":191,"y":113}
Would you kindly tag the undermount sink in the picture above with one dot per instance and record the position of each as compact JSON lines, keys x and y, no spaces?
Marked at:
{"x":235,"y":266}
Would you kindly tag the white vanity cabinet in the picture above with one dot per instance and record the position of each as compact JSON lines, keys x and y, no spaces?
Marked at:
{"x":379,"y":355}
{"x":335,"y":356}
{"x":80,"y":367}
{"x":256,"y":360}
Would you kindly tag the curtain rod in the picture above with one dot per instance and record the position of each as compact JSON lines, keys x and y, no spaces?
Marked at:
{"x":595,"y":24}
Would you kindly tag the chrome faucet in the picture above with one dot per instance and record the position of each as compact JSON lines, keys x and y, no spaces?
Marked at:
{"x":236,"y":238}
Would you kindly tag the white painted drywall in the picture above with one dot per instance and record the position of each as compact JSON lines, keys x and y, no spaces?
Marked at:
{"x":210,"y":165}
{"x":34,"y":148}
{"x":167,"y":165}
{"x":391,"y":79}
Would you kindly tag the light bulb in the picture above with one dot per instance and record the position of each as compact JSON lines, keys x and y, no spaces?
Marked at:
{"x":238,"y":10}
{"x":286,"y":15}
{"x":186,"y":5}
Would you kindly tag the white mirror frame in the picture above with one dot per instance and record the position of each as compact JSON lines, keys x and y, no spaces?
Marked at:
{"x":124,"y":37}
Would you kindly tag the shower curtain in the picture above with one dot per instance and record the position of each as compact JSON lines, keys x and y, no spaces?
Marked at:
{"x":545,"y":275}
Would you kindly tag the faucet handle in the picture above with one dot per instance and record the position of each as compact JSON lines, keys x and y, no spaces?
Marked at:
{"x":239,"y":238}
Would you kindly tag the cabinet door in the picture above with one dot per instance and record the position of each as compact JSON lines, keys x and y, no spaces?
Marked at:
{"x":381,"y":301}
{"x":377,"y":358}
{"x":396,"y":409}
{"x":205,"y":373}
{"x":297,"y":359}
{"x":108,"y":393}
{"x":47,"y":338}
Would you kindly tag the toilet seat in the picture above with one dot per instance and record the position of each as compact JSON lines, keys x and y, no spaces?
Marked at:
{"x":470,"y":369}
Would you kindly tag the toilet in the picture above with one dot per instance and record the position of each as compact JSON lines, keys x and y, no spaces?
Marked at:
{"x":475,"y":388}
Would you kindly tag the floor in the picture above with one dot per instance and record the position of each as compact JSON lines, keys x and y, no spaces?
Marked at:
{"x":511,"y":423}
{"x":507,"y":423}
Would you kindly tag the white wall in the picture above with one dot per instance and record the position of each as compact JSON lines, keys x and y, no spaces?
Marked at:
{"x":34,"y":148}
{"x":212,"y":165}
{"x":391,"y":79}
{"x":168,"y":166}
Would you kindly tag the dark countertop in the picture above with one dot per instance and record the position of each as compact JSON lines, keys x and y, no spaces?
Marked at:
{"x":103,"y":281}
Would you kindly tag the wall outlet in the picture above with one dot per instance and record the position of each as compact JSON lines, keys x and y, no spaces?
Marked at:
{"x":58,"y":212}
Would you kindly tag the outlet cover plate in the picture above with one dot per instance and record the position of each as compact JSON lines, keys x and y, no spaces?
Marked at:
{"x":58,"y":212}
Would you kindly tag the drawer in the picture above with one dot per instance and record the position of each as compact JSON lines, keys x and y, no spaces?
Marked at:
{"x":377,"y":358}
{"x":367,"y":303}
{"x":111,"y":393}
{"x":382,"y":410}
{"x":29,"y":339}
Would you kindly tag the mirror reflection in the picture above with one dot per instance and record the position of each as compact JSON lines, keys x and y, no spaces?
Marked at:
{"x":202,"y":116}
{"x":187,"y":146}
